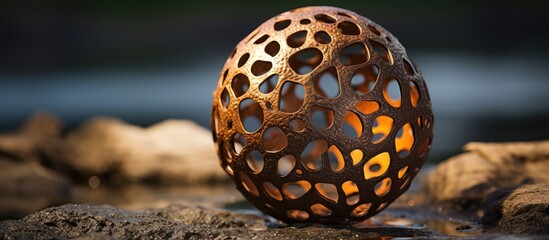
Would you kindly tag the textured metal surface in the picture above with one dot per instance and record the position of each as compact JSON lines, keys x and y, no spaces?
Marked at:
{"x":320,"y":116}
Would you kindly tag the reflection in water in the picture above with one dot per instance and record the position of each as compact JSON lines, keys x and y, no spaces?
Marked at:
{"x":454,"y":228}
{"x":142,"y":196}
{"x":440,"y":224}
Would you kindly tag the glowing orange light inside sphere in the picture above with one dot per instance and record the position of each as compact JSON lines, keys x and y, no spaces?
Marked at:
{"x":319,"y":115}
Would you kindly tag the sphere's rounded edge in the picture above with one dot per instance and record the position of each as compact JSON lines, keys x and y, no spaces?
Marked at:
{"x":229,"y":132}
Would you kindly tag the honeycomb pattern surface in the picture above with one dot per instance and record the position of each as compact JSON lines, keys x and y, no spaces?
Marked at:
{"x":319,"y":115}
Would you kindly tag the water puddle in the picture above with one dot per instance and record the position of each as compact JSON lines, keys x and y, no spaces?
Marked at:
{"x":448,"y":227}
{"x":400,"y":221}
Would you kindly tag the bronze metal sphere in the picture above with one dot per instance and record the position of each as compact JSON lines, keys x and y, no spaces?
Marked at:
{"x":319,"y":115}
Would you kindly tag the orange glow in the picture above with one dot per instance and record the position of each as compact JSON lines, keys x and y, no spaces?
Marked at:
{"x":320,"y":210}
{"x":297,"y":214}
{"x":272,"y":191}
{"x":356,"y":155}
{"x":351,"y":192}
{"x":248,"y":184}
{"x":402,"y":171}
{"x":311,"y":155}
{"x":328,"y":191}
{"x":354,"y":121}
{"x":395,"y":102}
{"x":406,"y":141}
{"x":414,"y":94}
{"x":295,"y":190}
{"x":382,"y":160}
{"x":383,"y":126}
{"x":383,"y":187}
{"x":339,"y":157}
{"x":367,"y":107}
{"x":361,"y":210}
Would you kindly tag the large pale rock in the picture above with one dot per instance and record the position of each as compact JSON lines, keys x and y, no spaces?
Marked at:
{"x":469,"y":178}
{"x":177,"y":222}
{"x":532,"y":158}
{"x":524,"y":210}
{"x":170,"y":151}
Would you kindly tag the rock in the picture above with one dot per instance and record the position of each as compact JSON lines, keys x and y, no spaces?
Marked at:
{"x":530,"y":157}
{"x":176,"y":222}
{"x":108,"y":149}
{"x":512,"y":151}
{"x":26,"y":144}
{"x":520,"y":211}
{"x":26,"y":187}
{"x":42,"y":124}
{"x":173,"y":151}
{"x":467,"y":180}
{"x":34,"y":158}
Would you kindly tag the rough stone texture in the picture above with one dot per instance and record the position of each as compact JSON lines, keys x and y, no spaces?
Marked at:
{"x":176,"y":222}
{"x":469,"y":178}
{"x":524,"y":210}
{"x":170,"y":151}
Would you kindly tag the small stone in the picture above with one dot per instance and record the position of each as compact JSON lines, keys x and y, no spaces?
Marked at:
{"x":173,"y":151}
{"x":464,"y":227}
{"x":521,"y":211}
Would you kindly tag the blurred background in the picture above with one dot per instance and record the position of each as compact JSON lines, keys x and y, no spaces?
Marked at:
{"x":485,"y":62}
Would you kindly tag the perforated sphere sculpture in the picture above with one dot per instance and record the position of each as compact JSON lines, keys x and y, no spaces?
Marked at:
{"x":319,"y":115}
